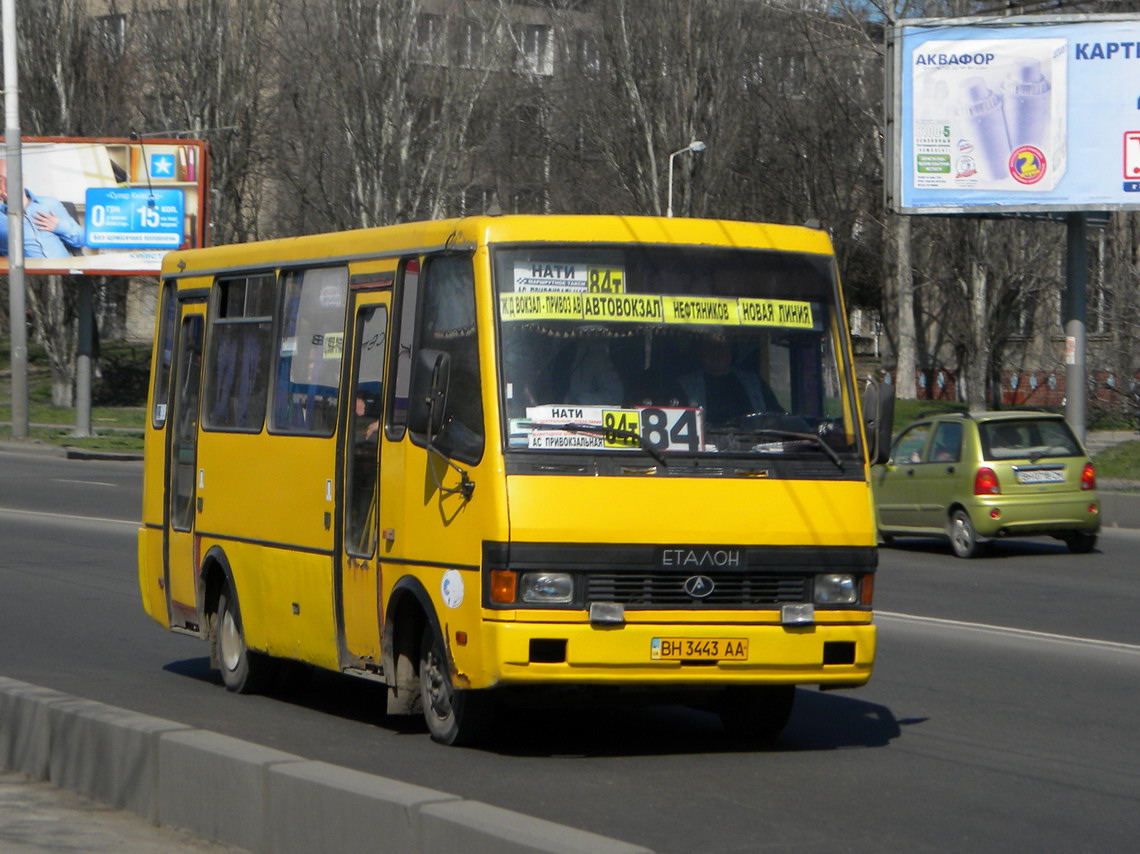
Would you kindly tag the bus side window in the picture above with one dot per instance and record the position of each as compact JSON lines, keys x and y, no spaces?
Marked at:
{"x":407,"y":296}
{"x":237,"y":364}
{"x":447,"y":323}
{"x":311,"y":346}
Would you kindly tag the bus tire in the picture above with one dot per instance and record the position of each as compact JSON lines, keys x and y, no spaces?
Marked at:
{"x":454,"y":716}
{"x":243,"y":671}
{"x":756,"y":711}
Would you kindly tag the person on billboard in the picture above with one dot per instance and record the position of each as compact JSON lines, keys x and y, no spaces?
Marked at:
{"x":48,"y":227}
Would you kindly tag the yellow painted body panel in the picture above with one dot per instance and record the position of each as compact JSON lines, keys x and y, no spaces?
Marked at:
{"x":276,"y":489}
{"x":714,"y":511}
{"x":474,"y":232}
{"x":361,"y":609}
{"x":597,"y":655}
{"x":286,"y":600}
{"x":150,"y":545}
{"x":151,"y":584}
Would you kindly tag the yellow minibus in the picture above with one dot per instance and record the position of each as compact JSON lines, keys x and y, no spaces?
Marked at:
{"x":485,"y":457}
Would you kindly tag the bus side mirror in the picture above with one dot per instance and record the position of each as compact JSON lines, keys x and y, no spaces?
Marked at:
{"x":427,"y":401}
{"x":878,"y":419}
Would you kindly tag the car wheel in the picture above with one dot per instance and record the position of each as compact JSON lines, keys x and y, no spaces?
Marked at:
{"x":1080,"y":542}
{"x":453,"y":716}
{"x":963,"y":537}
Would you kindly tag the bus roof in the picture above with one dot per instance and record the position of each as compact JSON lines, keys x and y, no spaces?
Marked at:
{"x":470,"y":232}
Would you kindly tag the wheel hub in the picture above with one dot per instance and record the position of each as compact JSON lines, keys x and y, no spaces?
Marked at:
{"x":229,"y":641}
{"x":438,"y":687}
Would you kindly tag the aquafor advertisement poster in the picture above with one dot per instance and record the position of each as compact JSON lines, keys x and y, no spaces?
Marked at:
{"x":106,"y":206}
{"x":1033,"y":113}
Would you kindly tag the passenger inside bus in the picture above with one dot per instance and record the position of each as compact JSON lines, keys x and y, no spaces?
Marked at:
{"x":593,"y":378}
{"x":722,"y":389}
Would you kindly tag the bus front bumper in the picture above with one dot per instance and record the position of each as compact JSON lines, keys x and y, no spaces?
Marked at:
{"x":530,"y":653}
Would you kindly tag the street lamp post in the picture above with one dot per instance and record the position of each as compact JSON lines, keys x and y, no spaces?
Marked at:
{"x":17,"y":322}
{"x":694,"y":146}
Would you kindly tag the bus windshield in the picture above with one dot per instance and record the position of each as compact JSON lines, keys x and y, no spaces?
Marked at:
{"x":673,"y":351}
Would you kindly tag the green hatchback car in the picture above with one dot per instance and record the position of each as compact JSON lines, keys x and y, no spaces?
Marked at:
{"x":976,"y":477}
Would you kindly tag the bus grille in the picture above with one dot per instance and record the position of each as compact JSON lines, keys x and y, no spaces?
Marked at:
{"x":666,"y":589}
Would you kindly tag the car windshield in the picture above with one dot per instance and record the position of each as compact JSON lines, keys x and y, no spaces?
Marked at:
{"x":669,"y":351}
{"x":1029,"y":438}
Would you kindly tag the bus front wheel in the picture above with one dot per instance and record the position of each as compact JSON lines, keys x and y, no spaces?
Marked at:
{"x":453,"y":715}
{"x":243,"y":671}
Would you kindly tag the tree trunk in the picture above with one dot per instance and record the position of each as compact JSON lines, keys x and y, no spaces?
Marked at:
{"x":52,"y":304}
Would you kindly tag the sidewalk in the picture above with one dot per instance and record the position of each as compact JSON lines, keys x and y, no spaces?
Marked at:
{"x":1097,"y":440}
{"x":37,"y":818}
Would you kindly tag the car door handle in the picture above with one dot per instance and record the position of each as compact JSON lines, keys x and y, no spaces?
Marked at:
{"x":949,"y":469}
{"x":910,"y":472}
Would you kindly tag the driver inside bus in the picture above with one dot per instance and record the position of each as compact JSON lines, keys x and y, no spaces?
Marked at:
{"x":593,"y":377}
{"x":723,"y":390}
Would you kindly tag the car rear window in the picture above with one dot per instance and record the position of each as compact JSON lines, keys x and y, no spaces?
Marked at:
{"x":1029,"y":437}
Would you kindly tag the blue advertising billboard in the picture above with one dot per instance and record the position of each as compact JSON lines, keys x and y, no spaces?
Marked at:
{"x":106,"y":206}
{"x":1033,"y":113}
{"x":134,"y":218}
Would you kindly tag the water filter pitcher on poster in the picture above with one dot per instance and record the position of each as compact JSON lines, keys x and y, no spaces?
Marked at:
{"x":989,"y":114}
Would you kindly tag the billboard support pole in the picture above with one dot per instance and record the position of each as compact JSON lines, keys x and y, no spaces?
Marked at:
{"x":1076,"y":284}
{"x":17,"y":311}
{"x":83,"y":355}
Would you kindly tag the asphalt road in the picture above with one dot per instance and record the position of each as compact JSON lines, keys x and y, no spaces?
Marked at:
{"x":1004,"y":714}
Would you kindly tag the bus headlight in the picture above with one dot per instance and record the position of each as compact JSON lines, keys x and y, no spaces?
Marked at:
{"x":836,"y":589}
{"x":547,"y":588}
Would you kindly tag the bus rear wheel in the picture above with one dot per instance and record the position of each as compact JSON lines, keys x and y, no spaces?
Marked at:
{"x":243,"y":671}
{"x":454,"y":716}
{"x":756,"y":711}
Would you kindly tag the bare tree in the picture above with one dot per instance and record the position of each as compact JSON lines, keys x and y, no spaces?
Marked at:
{"x":208,"y":66}
{"x":71,"y":85}
{"x":669,"y":72}
{"x":376,"y":105}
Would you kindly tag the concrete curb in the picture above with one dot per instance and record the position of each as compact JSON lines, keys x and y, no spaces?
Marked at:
{"x":264,"y":800}
{"x":48,"y":449}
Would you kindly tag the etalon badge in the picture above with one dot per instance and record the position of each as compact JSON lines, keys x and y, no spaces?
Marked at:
{"x":699,"y":586}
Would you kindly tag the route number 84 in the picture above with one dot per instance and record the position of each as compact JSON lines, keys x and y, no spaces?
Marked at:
{"x":663,"y":429}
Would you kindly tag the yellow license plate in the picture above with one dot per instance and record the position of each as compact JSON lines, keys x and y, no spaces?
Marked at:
{"x":699,"y":649}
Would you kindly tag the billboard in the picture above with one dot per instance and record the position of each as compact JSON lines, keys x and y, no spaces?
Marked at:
{"x":1014,"y":114}
{"x":106,"y":206}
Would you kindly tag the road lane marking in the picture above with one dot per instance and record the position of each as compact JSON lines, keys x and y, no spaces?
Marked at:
{"x":84,"y":482}
{"x":1009,"y":631}
{"x":8,"y":511}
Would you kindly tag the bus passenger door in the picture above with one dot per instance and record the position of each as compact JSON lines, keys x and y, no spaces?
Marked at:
{"x":181,"y":560}
{"x":358,"y":590}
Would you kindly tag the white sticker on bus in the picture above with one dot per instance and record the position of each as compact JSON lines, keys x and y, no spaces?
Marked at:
{"x":451,"y":588}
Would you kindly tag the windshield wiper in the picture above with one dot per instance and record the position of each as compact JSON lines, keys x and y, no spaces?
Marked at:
{"x":792,"y":434}
{"x":615,"y":432}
